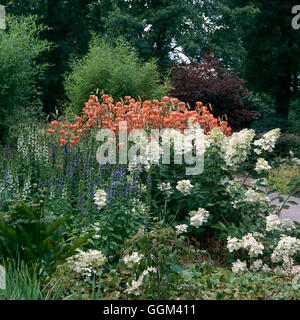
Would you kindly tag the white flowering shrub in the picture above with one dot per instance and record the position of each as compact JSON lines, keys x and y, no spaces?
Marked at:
{"x":150,"y":267}
{"x":219,"y":192}
{"x":273,"y":245}
{"x":86,"y":264}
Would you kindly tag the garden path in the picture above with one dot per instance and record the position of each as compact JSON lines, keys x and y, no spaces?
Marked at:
{"x":293,"y":212}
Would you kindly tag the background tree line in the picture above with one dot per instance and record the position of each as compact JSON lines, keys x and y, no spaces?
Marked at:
{"x":253,"y":38}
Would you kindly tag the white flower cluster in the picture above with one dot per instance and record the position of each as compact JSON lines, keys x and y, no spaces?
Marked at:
{"x":34,"y":146}
{"x":133,"y":289}
{"x":260,"y":265}
{"x":285,"y":249}
{"x":184,"y":186}
{"x":237,"y":146}
{"x":139,"y":163}
{"x":239,"y":266}
{"x":296,"y":161}
{"x":193,"y":138}
{"x":64,"y":192}
{"x":22,"y":147}
{"x":233,"y":244}
{"x":196,"y":134}
{"x":216,"y":139}
{"x":153,"y":151}
{"x":130,"y":260}
{"x":199,"y":217}
{"x":267,"y":142}
{"x":287,"y":224}
{"x":139,"y":207}
{"x":232,"y":186}
{"x":94,"y":227}
{"x":254,"y":197}
{"x":100,"y":198}
{"x":181,"y":228}
{"x":272,"y":222}
{"x":262,"y":165}
{"x":165,"y":188}
{"x":26,"y":187}
{"x":86,"y":263}
{"x":248,"y":242}
{"x":12,"y":182}
{"x":254,"y":247}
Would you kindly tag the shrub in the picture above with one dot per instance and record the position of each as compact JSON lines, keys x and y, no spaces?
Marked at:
{"x":270,"y":245}
{"x":209,"y":82}
{"x":285,"y":179}
{"x":114,"y":69}
{"x":19,"y":72}
{"x":26,"y":232}
{"x":288,"y":143}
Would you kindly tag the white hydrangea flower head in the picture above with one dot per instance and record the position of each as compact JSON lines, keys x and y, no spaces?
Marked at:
{"x":132,"y":259}
{"x":285,"y":249}
{"x":135,"y":284}
{"x":216,"y":139}
{"x":236,"y":147}
{"x":184,"y":186}
{"x":181,"y":228}
{"x":100,"y":198}
{"x":199,"y":217}
{"x":256,"y":265}
{"x":196,"y":134}
{"x":267,"y":142}
{"x":254,"y":197}
{"x":266,"y":268}
{"x":239,"y":266}
{"x":166,"y":188}
{"x":254,"y":247}
{"x":262,"y":165}
{"x":234,"y":244}
{"x":86,"y":263}
{"x":272,"y":223}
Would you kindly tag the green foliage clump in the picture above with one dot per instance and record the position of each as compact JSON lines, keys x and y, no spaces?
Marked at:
{"x":285,"y":179}
{"x":114,"y":69}
{"x":24,"y":282}
{"x":19,"y":71}
{"x":287,"y":143}
{"x":26,"y":232}
{"x":222,"y":284}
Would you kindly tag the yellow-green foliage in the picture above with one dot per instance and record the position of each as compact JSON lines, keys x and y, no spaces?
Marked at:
{"x":115,"y":69}
{"x":285,"y":179}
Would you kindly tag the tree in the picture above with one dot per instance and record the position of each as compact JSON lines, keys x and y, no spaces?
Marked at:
{"x":19,"y":73}
{"x":156,"y":28}
{"x":116,"y":70}
{"x":68,"y":30}
{"x":211,"y":82}
{"x":271,"y":47}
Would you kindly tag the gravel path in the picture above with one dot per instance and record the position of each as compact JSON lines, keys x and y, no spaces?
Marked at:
{"x":294,"y":210}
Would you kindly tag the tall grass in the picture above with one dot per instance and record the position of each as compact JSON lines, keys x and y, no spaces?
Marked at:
{"x":25,"y":283}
